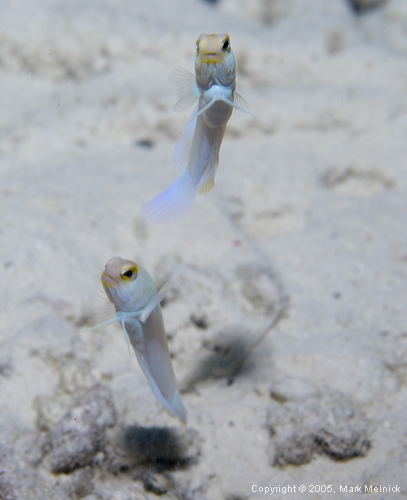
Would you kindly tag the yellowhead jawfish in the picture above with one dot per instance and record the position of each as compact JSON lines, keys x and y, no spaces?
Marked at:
{"x":197,"y":150}
{"x":137,"y":303}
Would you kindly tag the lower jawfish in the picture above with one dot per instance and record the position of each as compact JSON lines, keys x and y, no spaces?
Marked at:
{"x":133,"y":293}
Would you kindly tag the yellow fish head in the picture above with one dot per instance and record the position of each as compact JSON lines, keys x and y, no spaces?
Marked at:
{"x":127,"y":285}
{"x":214,"y":57}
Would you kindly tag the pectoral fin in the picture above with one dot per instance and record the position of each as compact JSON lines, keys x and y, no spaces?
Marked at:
{"x":240,"y":105}
{"x":187,"y":84}
{"x":155,"y":301}
{"x":96,"y":327}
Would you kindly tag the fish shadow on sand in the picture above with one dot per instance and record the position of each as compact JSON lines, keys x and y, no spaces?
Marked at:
{"x":226,"y":360}
{"x":232,"y":356}
{"x":163,"y":447}
{"x":150,"y":454}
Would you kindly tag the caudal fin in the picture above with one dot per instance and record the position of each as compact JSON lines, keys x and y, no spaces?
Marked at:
{"x":178,"y":407}
{"x":172,"y":203}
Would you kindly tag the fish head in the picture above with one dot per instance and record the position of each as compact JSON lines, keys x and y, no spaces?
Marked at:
{"x":128,"y":286}
{"x":214,"y":60}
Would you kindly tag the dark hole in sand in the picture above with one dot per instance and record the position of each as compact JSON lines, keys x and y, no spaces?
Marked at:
{"x":361,"y":6}
{"x":199,"y":321}
{"x":145,"y":143}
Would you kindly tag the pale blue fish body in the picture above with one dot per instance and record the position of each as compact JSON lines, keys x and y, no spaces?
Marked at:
{"x":137,"y":303}
{"x":197,"y":151}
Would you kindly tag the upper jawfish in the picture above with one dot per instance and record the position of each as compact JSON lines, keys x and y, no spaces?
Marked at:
{"x":197,"y":150}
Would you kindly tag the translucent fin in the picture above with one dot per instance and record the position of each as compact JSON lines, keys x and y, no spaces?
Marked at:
{"x":96,"y":327}
{"x":186,"y":82}
{"x":175,"y":407}
{"x":227,"y":101}
{"x":158,"y":297}
{"x":206,"y":107}
{"x":179,"y":407}
{"x":183,"y":147}
{"x":172,"y":203}
{"x":101,"y":325}
{"x":100,"y":307}
{"x":241,"y":102}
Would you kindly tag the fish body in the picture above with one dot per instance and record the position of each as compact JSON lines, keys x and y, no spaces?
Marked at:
{"x":134,"y":295}
{"x":197,"y":151}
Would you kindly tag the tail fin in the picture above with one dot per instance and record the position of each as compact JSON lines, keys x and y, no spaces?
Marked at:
{"x":178,"y":407}
{"x":172,"y":203}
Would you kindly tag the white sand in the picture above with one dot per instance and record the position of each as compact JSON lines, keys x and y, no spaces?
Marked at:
{"x":313,"y":191}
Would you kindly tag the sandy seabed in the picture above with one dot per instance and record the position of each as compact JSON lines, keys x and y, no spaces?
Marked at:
{"x":302,"y":244}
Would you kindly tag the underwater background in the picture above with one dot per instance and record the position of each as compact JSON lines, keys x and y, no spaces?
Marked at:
{"x":287,"y":321}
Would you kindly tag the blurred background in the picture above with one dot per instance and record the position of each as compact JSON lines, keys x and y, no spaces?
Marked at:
{"x":286,"y":325}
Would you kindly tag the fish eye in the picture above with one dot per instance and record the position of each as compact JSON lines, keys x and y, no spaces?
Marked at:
{"x":128,"y":273}
{"x":225,"y":44}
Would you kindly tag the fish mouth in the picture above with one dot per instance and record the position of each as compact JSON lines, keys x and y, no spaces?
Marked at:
{"x":107,"y":280}
{"x":211,"y":58}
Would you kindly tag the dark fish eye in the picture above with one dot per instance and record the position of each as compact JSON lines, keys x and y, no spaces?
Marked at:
{"x":225,"y":44}
{"x":127,"y":274}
